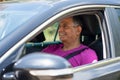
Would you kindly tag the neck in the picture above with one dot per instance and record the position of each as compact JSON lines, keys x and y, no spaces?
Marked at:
{"x":69,"y":46}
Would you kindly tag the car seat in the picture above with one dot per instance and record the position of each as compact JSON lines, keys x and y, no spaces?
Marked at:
{"x":34,"y":44}
{"x":91,"y":34}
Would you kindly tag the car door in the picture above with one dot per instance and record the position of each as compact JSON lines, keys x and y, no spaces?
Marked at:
{"x":109,"y":69}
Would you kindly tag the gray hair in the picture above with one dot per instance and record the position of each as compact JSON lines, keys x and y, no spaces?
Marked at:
{"x":77,"y":20}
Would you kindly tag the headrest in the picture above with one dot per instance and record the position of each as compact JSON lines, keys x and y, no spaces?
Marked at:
{"x":90,"y":25}
{"x":39,"y":38}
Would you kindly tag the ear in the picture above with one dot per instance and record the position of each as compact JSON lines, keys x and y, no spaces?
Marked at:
{"x":79,"y":30}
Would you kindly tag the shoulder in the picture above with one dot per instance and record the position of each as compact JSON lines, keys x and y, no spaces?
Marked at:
{"x":88,"y":51}
{"x":88,"y":56}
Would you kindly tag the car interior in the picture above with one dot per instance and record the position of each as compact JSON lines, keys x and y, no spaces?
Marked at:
{"x":91,"y":36}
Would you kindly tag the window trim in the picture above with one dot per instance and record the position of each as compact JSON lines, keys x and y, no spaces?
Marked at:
{"x":111,"y":39}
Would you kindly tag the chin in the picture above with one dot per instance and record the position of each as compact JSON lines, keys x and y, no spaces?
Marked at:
{"x":63,"y":39}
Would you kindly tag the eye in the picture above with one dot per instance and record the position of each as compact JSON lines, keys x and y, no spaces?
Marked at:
{"x":65,"y":26}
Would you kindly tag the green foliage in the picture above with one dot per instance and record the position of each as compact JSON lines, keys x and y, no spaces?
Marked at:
{"x":50,"y":32}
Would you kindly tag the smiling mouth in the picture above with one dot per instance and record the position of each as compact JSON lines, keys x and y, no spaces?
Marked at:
{"x":61,"y":34}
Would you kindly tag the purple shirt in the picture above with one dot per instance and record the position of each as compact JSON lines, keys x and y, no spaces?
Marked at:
{"x":85,"y":57}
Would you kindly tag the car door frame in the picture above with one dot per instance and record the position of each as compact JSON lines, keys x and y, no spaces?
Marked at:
{"x":112,"y":30}
{"x":109,"y":39}
{"x":103,"y":70}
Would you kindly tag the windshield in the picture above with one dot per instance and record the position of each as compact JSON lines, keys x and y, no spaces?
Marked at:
{"x":9,"y":21}
{"x":12,"y":16}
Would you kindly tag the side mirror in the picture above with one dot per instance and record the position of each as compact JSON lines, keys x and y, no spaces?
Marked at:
{"x":42,"y":66}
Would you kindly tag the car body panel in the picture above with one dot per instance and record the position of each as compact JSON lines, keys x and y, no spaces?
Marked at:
{"x":103,"y":70}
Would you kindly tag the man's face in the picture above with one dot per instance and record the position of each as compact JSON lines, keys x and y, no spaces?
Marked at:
{"x":68,"y":32}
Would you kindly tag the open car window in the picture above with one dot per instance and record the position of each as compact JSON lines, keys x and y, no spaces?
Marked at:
{"x":90,"y":36}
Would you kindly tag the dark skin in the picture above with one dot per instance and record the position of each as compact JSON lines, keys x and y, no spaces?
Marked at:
{"x":69,"y":33}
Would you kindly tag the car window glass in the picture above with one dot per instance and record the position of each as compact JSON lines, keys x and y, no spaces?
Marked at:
{"x":51,"y":33}
{"x":9,"y":22}
{"x":118,"y":12}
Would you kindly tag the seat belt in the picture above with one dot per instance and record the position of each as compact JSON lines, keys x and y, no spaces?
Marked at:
{"x":75,"y":53}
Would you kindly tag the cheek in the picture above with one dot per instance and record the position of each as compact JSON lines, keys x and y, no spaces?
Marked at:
{"x":75,"y":34}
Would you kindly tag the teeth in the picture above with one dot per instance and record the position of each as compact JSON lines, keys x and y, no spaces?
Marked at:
{"x":61,"y":34}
